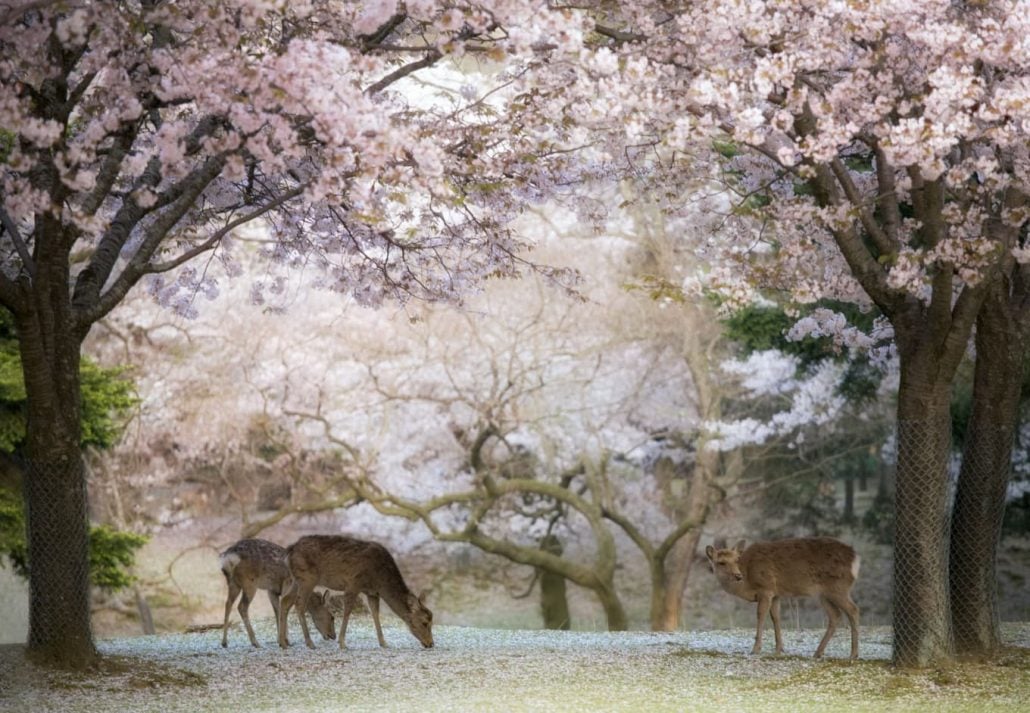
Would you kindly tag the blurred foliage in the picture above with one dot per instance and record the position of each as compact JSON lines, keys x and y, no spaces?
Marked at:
{"x":878,"y":520}
{"x":112,"y":553}
{"x":760,"y":328}
{"x":12,"y":532}
{"x":107,"y":398}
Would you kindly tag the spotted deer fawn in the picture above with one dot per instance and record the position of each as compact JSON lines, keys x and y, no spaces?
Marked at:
{"x":354,"y":567}
{"x":250,"y":565}
{"x":802,"y":567}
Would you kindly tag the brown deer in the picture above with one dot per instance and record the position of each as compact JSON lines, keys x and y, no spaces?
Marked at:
{"x":801,"y":567}
{"x":250,"y":565}
{"x":354,"y":567}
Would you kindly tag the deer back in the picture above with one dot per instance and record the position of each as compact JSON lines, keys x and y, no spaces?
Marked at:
{"x":805,"y":566}
{"x":259,"y":561}
{"x":346,"y":564}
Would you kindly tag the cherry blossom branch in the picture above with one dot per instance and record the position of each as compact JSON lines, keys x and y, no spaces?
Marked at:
{"x":884,"y":244}
{"x":886,"y":196}
{"x":375,"y":38}
{"x":431,"y":58}
{"x":19,"y":243}
{"x":213,"y":240}
{"x":90,"y":305}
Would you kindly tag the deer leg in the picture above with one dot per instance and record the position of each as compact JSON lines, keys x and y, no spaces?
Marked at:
{"x":244,"y":609}
{"x":849,"y":608}
{"x":349,"y":600}
{"x":303,"y":592}
{"x":273,"y":599}
{"x":832,"y":614}
{"x":285,"y":604}
{"x":234,"y":591}
{"x":373,"y":606}
{"x":764,"y":602}
{"x":774,"y":610}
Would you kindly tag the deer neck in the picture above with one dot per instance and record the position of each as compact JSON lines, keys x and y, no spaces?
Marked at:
{"x":739,"y":588}
{"x":397,"y":600}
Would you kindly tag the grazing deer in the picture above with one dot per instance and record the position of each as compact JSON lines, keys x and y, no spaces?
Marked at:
{"x":354,"y":567}
{"x":801,"y":567}
{"x":250,"y":565}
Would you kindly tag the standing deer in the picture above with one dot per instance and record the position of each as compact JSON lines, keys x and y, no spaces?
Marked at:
{"x":801,"y":567}
{"x":250,"y":565}
{"x":354,"y":567}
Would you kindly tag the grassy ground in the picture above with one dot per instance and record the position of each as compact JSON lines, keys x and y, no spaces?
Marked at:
{"x":503,"y":670}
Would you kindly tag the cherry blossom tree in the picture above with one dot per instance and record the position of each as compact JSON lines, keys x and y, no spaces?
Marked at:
{"x":138,"y":135}
{"x":883,"y":148}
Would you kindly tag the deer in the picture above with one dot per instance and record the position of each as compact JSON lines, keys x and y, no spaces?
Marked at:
{"x":354,"y":567}
{"x":253,"y":564}
{"x":801,"y":567}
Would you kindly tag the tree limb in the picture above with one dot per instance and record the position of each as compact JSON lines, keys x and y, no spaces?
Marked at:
{"x":19,"y":243}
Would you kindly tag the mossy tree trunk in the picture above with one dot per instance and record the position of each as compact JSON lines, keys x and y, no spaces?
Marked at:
{"x":554,"y":601}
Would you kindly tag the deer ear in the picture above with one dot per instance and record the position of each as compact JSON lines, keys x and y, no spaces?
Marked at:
{"x":710,"y":552}
{"x":739,"y":547}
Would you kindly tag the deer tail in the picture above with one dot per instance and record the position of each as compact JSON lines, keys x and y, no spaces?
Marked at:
{"x":855,"y":564}
{"x":228,"y":561}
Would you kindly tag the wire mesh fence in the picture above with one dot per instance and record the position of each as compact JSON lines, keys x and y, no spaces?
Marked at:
{"x":947,"y":533}
{"x":57,"y":529}
{"x":979,"y":511}
{"x":924,"y":491}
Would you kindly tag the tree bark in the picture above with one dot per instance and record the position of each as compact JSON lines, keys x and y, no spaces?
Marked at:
{"x":979,"y":507}
{"x":667,"y":611}
{"x":55,"y":479}
{"x":614,"y":613}
{"x":922,"y":625}
{"x":554,"y":602}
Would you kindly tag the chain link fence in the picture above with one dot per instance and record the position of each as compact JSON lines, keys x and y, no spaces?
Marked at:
{"x":57,"y":527}
{"x":946,"y":540}
{"x":979,"y":511}
{"x":923,"y":496}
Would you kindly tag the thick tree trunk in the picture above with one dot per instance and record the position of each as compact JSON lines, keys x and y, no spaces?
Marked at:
{"x":59,"y":590}
{"x":554,"y":602}
{"x":983,"y":481}
{"x":922,"y":625}
{"x":613,"y":610}
{"x":667,"y":606}
{"x":670,"y":576}
{"x":55,"y":478}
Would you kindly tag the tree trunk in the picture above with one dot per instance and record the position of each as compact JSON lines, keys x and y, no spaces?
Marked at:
{"x":670,"y":576}
{"x":922,"y":625}
{"x":554,"y":602}
{"x":666,"y":616}
{"x":55,"y":478}
{"x":849,"y":498}
{"x":146,"y":618}
{"x":613,"y":611}
{"x":983,"y":481}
